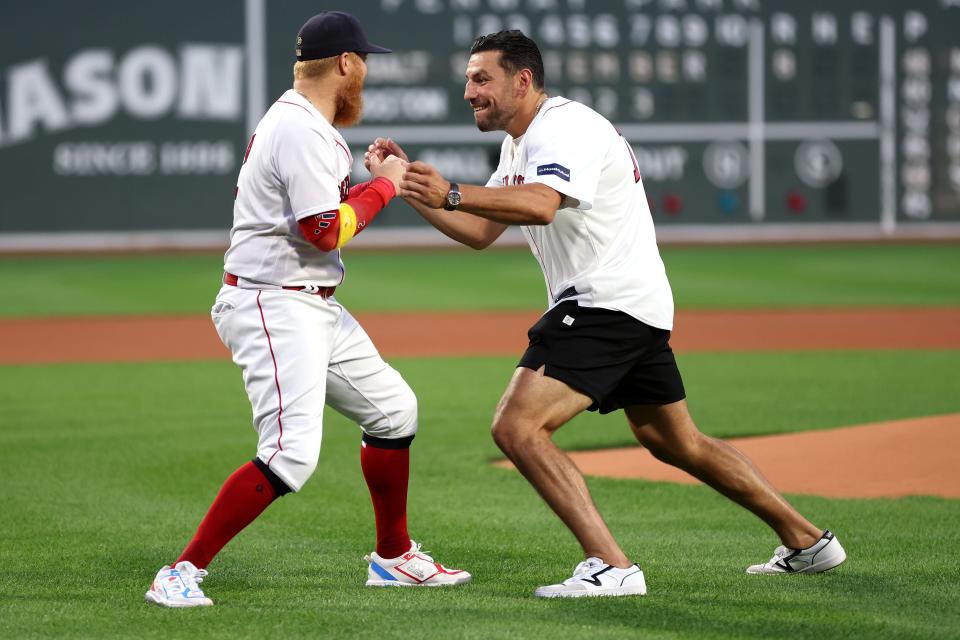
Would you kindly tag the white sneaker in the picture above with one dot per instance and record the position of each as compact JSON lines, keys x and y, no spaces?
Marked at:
{"x":412,"y":569}
{"x":593,"y":577}
{"x":825,"y":554}
{"x":177,"y":587}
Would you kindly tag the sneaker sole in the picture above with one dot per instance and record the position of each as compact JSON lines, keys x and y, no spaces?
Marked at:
{"x":397,"y":583}
{"x":818,"y":567}
{"x":594,"y":593}
{"x":152,"y":598}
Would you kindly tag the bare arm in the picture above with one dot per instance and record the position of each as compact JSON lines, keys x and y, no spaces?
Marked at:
{"x":465,"y":228}
{"x":484,"y":213}
{"x":526,"y":204}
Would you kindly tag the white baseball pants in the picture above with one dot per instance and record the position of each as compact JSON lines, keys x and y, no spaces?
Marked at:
{"x":297,"y":352}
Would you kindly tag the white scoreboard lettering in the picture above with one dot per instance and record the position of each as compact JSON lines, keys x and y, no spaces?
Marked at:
{"x":774,"y":96}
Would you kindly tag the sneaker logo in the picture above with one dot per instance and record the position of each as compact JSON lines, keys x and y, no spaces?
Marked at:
{"x":173,"y":585}
{"x":416,"y":569}
{"x":594,"y":579}
{"x":786,"y":566}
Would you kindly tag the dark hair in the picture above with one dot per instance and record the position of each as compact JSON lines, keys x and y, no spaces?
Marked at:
{"x":517,"y":52}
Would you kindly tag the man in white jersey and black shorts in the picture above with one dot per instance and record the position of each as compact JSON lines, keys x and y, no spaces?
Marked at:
{"x":571,"y":181}
{"x":297,"y":347}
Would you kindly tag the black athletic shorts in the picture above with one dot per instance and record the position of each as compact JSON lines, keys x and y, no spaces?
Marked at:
{"x":608,"y":355}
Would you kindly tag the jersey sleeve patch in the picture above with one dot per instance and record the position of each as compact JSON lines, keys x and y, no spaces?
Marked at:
{"x":554,"y":169}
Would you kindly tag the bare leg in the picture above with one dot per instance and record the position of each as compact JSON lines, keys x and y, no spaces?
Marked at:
{"x":532,"y":408}
{"x":669,"y":433}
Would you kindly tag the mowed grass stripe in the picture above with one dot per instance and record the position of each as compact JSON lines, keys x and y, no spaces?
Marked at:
{"x":112,"y":466}
{"x":701,"y":277}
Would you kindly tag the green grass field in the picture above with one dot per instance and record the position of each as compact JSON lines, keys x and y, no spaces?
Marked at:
{"x":702,"y":277}
{"x":109,"y":468}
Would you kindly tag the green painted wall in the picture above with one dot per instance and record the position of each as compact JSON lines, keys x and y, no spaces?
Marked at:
{"x":133,"y":116}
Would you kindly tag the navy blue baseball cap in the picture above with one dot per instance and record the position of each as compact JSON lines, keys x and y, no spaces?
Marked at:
{"x":331,"y":33}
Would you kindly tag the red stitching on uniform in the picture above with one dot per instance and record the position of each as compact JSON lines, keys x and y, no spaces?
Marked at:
{"x":276,"y":378}
{"x":558,"y":105}
{"x":345,"y":150}
{"x":295,"y":104}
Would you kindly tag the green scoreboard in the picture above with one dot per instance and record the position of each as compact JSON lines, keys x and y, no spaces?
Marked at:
{"x":739,"y":111}
{"x":134,"y":117}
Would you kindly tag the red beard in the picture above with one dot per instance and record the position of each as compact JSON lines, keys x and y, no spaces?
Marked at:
{"x":349,"y":103}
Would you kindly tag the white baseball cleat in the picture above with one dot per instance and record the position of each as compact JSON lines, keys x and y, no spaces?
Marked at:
{"x":177,"y":587}
{"x":825,"y":554}
{"x":413,"y":569}
{"x":593,"y":577}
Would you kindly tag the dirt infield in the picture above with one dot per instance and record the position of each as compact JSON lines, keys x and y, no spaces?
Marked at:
{"x":906,"y":457}
{"x":883,"y":460}
{"x":25,"y":341}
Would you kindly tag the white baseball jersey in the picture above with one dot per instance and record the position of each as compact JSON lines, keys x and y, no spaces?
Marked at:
{"x":296,"y":165}
{"x":601,"y":243}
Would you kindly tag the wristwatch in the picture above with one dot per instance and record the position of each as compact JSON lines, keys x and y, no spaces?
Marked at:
{"x":453,"y":197}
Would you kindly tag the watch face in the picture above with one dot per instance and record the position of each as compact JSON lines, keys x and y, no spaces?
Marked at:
{"x":453,"y":198}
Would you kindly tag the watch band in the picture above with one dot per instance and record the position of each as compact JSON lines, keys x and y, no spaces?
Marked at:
{"x":453,"y":197}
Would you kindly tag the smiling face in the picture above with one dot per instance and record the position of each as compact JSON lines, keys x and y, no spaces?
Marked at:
{"x":491,"y":91}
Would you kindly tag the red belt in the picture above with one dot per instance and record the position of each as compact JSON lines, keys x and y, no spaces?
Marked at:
{"x":326,"y":292}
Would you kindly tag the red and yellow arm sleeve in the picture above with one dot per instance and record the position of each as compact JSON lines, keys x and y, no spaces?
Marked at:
{"x":331,"y":230}
{"x":357,"y":189}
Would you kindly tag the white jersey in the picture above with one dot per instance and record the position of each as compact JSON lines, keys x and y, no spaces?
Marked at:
{"x":296,"y":165}
{"x":600,"y":249}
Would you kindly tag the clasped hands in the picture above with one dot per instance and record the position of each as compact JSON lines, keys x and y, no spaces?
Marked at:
{"x":418,"y":181}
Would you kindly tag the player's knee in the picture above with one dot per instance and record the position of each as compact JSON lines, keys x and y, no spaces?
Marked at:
{"x":652,"y":442}
{"x":658,"y":450}
{"x":295,"y":463}
{"x":398,"y":417}
{"x":405,"y":416}
{"x":683,"y":451}
{"x":512,"y":434}
{"x":501,"y":436}
{"x":297,"y":469}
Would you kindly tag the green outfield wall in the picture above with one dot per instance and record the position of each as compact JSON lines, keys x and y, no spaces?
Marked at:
{"x":743,"y":114}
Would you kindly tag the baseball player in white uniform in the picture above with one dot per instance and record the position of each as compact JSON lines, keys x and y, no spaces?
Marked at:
{"x":297,"y":347}
{"x":571,"y":181}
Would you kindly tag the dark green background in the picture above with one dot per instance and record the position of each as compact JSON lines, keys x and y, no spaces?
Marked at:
{"x":829,"y":80}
